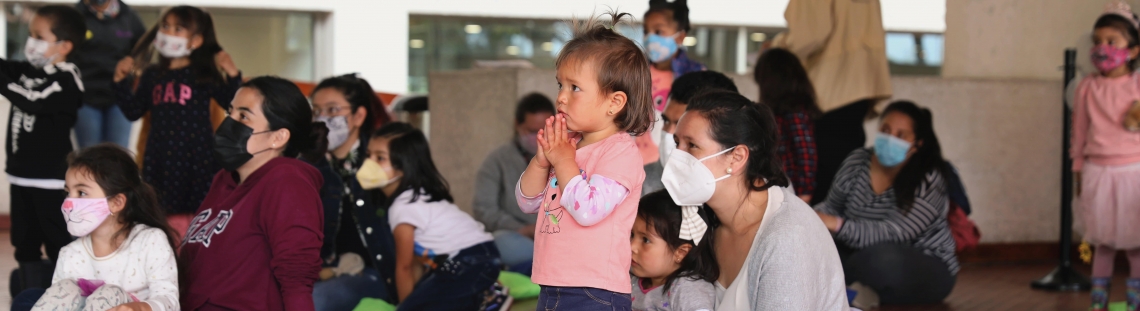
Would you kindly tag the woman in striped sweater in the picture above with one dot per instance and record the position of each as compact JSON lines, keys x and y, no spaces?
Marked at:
{"x":887,"y":209}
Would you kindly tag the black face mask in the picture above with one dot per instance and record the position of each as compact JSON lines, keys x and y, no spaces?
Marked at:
{"x":229,"y":144}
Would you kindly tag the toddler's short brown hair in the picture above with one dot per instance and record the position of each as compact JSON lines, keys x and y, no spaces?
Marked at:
{"x":621,"y":66}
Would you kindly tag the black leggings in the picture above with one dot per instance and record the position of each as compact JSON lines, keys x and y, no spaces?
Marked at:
{"x":837,"y":133}
{"x":37,"y":222}
{"x":900,"y":274}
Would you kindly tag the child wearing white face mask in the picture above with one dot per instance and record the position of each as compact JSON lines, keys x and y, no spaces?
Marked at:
{"x":177,"y":92}
{"x":124,"y":257}
{"x":46,"y":93}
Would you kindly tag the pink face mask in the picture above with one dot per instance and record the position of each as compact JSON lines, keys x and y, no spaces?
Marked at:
{"x":84,"y":215}
{"x":1106,"y":57}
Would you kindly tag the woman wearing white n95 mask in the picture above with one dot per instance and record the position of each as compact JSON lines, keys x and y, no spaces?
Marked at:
{"x":726,"y":159}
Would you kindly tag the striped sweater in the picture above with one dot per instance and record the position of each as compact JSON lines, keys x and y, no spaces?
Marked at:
{"x":871,"y":219}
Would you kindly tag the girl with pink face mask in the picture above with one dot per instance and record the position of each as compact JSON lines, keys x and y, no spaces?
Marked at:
{"x":124,"y":256}
{"x":1106,"y":154}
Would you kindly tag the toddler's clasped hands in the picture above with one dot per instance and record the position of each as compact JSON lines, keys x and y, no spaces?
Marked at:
{"x":554,"y":143}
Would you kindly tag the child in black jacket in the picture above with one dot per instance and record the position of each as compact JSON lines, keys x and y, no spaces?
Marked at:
{"x":45,"y":92}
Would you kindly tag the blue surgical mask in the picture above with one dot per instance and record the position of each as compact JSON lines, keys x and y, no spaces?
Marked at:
{"x":660,"y":48}
{"x":890,"y":150}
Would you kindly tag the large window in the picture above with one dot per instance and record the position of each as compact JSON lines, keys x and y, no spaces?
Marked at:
{"x":439,"y":43}
{"x":914,"y":53}
{"x":447,"y":43}
{"x":261,"y":42}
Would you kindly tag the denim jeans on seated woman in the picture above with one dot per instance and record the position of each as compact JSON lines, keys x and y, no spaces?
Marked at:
{"x":345,"y":292}
{"x":459,"y":283}
{"x":514,"y":247}
{"x":27,"y":299}
{"x":96,"y":125}
{"x":553,"y":298}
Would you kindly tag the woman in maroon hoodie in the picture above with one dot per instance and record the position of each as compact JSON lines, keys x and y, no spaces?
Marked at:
{"x":255,"y":242}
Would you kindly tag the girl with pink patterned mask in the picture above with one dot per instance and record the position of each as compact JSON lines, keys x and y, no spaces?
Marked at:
{"x":123,"y":259}
{"x":1106,"y":152}
{"x":1115,"y":43}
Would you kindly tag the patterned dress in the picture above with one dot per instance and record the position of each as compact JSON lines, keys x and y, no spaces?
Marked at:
{"x":179,"y":162}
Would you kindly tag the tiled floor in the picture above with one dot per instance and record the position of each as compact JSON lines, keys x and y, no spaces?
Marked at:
{"x":979,"y":288}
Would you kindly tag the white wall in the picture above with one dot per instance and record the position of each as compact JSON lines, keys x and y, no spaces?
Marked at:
{"x":1021,"y":39}
{"x":370,"y":37}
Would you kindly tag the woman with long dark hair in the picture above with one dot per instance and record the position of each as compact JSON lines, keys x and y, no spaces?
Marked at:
{"x":771,"y":250}
{"x":255,"y":241}
{"x":888,"y":210}
{"x":785,"y":87}
{"x":351,"y":111}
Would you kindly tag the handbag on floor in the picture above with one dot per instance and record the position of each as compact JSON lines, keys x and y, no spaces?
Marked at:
{"x":965,"y":232}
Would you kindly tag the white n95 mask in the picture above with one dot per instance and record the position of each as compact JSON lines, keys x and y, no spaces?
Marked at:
{"x":666,"y":147}
{"x":688,"y":181}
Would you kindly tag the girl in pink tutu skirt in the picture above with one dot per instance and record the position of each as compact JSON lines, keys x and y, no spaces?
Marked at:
{"x":1106,"y":155}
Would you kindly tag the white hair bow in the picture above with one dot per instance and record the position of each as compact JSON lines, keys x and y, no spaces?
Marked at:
{"x":693,"y":227}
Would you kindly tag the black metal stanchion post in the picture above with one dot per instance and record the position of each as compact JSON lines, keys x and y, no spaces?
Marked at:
{"x":1064,"y":278}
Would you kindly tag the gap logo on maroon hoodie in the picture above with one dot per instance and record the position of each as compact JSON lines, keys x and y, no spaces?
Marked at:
{"x":256,"y":245}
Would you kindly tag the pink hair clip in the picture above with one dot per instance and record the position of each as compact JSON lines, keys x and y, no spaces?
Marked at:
{"x":1118,"y":7}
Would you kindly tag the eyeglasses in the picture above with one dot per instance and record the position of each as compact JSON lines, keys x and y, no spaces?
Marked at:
{"x":331,"y":111}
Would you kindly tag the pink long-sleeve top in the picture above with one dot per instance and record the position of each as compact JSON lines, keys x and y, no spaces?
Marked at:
{"x":582,"y":235}
{"x":1099,"y":135}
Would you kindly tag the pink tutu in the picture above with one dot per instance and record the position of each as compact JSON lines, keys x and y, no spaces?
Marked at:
{"x":1110,"y":205}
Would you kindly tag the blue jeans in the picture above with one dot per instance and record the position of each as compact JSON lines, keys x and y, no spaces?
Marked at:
{"x":459,"y":283}
{"x":27,"y":299}
{"x":514,"y":247}
{"x":553,"y":298}
{"x":96,"y":125}
{"x":345,"y":292}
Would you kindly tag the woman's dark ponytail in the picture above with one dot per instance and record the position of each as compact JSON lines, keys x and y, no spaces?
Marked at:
{"x":286,"y":107}
{"x":319,"y":137}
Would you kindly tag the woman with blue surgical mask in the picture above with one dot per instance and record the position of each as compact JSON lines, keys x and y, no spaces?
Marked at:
{"x":888,"y":211}
{"x":730,"y":183}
